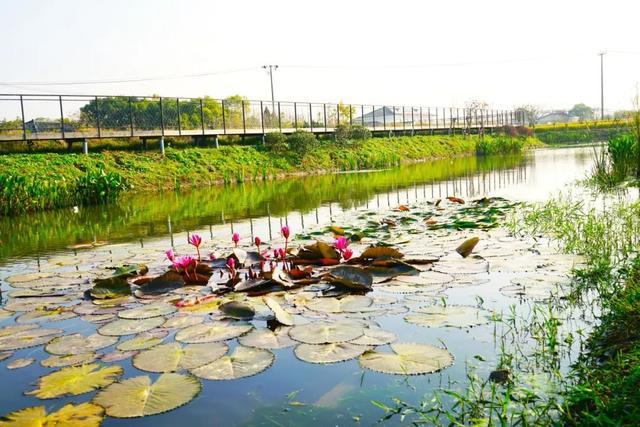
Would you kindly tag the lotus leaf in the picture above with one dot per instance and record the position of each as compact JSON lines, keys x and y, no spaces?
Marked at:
{"x":75,"y":380}
{"x":82,"y":415}
{"x":173,"y":356}
{"x":243,"y":362}
{"x":408,"y":359}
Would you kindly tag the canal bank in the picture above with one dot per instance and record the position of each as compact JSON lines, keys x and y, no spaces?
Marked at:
{"x":36,"y":182}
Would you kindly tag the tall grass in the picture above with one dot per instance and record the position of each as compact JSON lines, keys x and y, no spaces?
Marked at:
{"x":615,"y":162}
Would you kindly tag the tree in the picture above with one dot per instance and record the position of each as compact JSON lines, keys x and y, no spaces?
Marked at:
{"x":531,"y":113}
{"x":582,"y":111}
{"x":344,"y":111}
{"x":472,"y":107}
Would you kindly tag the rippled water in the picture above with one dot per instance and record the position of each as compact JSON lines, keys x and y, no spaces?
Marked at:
{"x":291,"y":392}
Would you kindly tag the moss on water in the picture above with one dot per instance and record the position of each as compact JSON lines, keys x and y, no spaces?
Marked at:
{"x":34,"y":182}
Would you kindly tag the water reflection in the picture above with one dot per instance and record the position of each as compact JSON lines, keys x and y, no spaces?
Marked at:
{"x":263,"y":207}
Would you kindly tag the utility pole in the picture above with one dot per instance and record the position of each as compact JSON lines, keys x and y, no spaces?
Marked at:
{"x":270,"y":69}
{"x":602,"y":84}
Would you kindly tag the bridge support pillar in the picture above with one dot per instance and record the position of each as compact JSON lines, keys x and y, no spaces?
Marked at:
{"x":215,"y":139}
{"x":69,"y":145}
{"x":264,"y":141}
{"x":85,"y":146}
{"x":162,"y":145}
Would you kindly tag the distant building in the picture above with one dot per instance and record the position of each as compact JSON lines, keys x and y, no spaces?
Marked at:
{"x":45,"y":125}
{"x":556,"y":117}
{"x":383,"y":115}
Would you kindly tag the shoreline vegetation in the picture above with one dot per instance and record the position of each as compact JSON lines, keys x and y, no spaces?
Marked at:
{"x":581,"y":132}
{"x":42,"y":181}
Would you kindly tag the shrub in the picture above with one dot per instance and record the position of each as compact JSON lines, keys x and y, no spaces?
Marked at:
{"x":276,"y":142}
{"x":302,"y":142}
{"x":349,"y":133}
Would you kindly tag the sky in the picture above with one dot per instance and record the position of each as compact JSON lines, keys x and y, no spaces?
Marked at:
{"x":428,"y":53}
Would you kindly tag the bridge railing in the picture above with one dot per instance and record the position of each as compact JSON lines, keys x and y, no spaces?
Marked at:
{"x":38,"y":117}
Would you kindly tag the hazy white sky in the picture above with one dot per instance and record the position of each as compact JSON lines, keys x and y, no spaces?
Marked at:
{"x":385,"y":52}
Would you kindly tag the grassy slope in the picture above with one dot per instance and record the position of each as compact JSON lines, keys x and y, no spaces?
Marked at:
{"x":31,"y":182}
{"x":583,"y":132}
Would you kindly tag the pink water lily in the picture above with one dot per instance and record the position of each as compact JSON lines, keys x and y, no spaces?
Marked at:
{"x":257,"y":241}
{"x":235,"y":238}
{"x":170,"y":255}
{"x":285,"y":232}
{"x":196,"y":241}
{"x":212,"y":256}
{"x":231,"y":266}
{"x":341,"y":243}
{"x":184,"y":262}
{"x":347,"y":254}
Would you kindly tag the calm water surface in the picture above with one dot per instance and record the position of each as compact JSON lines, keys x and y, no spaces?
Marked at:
{"x":336,"y":394}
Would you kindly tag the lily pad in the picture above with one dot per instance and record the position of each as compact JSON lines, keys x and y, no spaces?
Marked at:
{"x":139,"y":396}
{"x":243,"y":362}
{"x":142,"y":341}
{"x":267,"y":339}
{"x":455,"y":316}
{"x":326,"y":332}
{"x":408,"y":359}
{"x":75,"y":380}
{"x":237,"y":310}
{"x":128,"y":326}
{"x":351,"y":277}
{"x":78,"y":344}
{"x":349,"y":303}
{"x":160,"y":285}
{"x":214,"y":331}
{"x":179,"y":322}
{"x":82,"y":415}
{"x":377,"y":252}
{"x":20,"y":363}
{"x":329,"y":353}
{"x":281,"y":315}
{"x":375,"y":336}
{"x":173,"y":357}
{"x":69,"y":360}
{"x":25,"y":336}
{"x":467,"y":246}
{"x":148,"y":311}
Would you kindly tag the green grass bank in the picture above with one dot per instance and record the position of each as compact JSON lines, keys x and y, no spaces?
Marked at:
{"x":35,"y":182}
{"x":582,"y":132}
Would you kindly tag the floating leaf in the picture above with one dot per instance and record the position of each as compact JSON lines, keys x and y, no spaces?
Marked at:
{"x":139,"y":396}
{"x":174,"y":357}
{"x":237,"y":310}
{"x":142,"y":341}
{"x":375,"y":336}
{"x":351,"y":277}
{"x":214,"y":331}
{"x":147,"y":311}
{"x":46,"y":314}
{"x":111,"y":287}
{"x":75,"y":380}
{"x":82,"y":415}
{"x":408,"y":359}
{"x":456,"y":316}
{"x":179,"y":322}
{"x":317,"y":251}
{"x":281,"y":315}
{"x":329,"y":353}
{"x":326,"y":332}
{"x":279,"y":276}
{"x":162,"y":284}
{"x":268,"y":339}
{"x":391,"y":269}
{"x":250,"y":285}
{"x":78,"y":344}
{"x":127,"y":327}
{"x":20,"y":363}
{"x":467,"y":246}
{"x":376,"y":252}
{"x":69,"y":360}
{"x":350,"y":303}
{"x":25,"y":336}
{"x":243,"y":362}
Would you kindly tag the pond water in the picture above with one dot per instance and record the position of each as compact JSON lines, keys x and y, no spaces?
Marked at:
{"x":291,"y":391}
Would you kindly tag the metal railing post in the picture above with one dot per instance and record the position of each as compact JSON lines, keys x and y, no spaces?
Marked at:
{"x":279,"y":117}
{"x":421,"y":120}
{"x":295,"y":116}
{"x":394,"y":117}
{"x":337,"y":115}
{"x":202,"y":115}
{"x":131,"y":116}
{"x":98,"y":117}
{"x":161,"y":118}
{"x":437,"y":121}
{"x":61,"y":116}
{"x":179,"y":119}
{"x":310,"y":118}
{"x":384,"y":117}
{"x":413,"y":126}
{"x":324,"y":114}
{"x":350,"y":116}
{"x":244,"y":123}
{"x":404,"y":122}
{"x":24,"y":125}
{"x":224,"y":119}
{"x":262,"y":117}
{"x":429,"y":116}
{"x":362,"y":114}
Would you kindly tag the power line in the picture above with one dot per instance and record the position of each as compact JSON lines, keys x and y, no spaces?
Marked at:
{"x":127,"y":80}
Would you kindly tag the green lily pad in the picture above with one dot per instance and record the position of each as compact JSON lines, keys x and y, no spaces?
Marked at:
{"x":243,"y":362}
{"x":408,"y":359}
{"x":174,"y":357}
